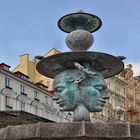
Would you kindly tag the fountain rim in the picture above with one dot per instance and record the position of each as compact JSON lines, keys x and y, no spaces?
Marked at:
{"x":92,"y":16}
{"x":55,"y":64}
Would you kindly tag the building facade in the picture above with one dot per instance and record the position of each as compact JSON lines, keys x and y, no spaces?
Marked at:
{"x":132,"y":92}
{"x":124,"y":102}
{"x":115,"y":107}
{"x":17,"y":93}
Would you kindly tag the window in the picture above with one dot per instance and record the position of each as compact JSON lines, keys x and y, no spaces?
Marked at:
{"x":110,"y":100}
{"x":7,"y":82}
{"x":117,"y":90}
{"x":23,"y":106}
{"x":121,"y":103}
{"x":108,"y":85}
{"x":22,"y":76}
{"x":22,"y":89}
{"x":36,"y":109}
{"x":49,"y":101}
{"x":6,"y":68}
{"x":46,"y":100}
{"x":36,"y":95}
{"x":8,"y":102}
{"x":113,"y":102}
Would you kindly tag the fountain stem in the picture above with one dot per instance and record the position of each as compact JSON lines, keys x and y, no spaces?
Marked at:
{"x":81,"y":113}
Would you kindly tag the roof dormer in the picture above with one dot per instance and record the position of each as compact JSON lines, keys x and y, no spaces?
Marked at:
{"x":4,"y":66}
{"x":21,"y":75}
{"x":42,"y":85}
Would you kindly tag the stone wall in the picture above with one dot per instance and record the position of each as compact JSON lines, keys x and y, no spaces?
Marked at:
{"x":72,"y":131}
{"x":19,"y":118}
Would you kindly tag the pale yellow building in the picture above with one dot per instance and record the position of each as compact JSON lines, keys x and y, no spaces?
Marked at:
{"x":28,"y":67}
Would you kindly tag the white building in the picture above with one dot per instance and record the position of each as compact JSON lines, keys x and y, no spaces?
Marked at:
{"x":18,"y":93}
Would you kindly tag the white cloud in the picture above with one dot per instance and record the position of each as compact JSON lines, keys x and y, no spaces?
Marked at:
{"x":136,"y":68}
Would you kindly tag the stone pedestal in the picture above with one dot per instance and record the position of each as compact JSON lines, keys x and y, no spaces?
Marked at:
{"x":72,"y":131}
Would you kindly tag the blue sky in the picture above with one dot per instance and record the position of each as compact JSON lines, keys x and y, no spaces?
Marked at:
{"x":30,"y":26}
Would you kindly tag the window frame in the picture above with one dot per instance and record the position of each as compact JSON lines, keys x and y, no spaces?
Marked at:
{"x":22,"y":89}
{"x":23,"y":106}
{"x":8,"y":101}
{"x":7,"y":82}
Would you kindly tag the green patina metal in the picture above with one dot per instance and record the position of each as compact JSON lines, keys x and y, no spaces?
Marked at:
{"x":79,"y":20}
{"x":79,"y":83}
{"x":80,"y":92}
{"x":106,"y":64}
